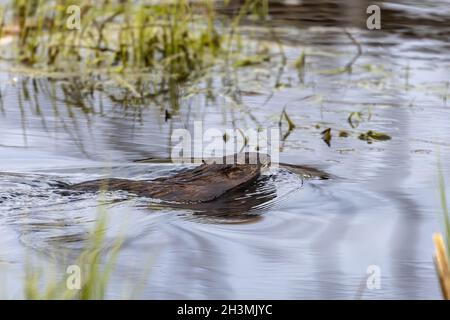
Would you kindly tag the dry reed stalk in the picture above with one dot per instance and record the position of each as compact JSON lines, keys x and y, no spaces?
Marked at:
{"x":442,"y":265}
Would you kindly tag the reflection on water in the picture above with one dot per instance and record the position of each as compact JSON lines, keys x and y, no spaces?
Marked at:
{"x":311,"y":240}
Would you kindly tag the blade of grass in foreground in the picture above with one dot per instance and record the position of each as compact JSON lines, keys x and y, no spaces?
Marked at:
{"x":444,"y":208}
{"x":95,"y":264}
{"x":441,"y":255}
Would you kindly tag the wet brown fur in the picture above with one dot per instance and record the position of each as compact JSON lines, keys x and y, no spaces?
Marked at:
{"x":201,"y":184}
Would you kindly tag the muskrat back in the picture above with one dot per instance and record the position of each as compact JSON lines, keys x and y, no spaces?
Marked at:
{"x":204,"y":183}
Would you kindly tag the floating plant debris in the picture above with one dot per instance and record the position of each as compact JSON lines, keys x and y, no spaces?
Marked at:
{"x":326,"y":136}
{"x":354,"y":119}
{"x":343,"y":134}
{"x":251,"y":61}
{"x":371,"y":135}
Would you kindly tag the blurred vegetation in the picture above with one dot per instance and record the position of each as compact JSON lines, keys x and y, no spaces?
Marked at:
{"x":96,"y":262}
{"x":442,"y":254}
{"x":157,"y":52}
{"x":445,"y":209}
{"x":174,"y":40}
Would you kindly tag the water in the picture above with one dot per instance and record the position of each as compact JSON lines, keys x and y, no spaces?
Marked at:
{"x":309,"y":238}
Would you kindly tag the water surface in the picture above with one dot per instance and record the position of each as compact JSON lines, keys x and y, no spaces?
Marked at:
{"x":312,"y":238}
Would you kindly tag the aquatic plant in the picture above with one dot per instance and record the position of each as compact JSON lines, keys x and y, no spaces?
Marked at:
{"x":371,"y":136}
{"x":173,"y":40}
{"x":114,"y":35}
{"x":95,"y":263}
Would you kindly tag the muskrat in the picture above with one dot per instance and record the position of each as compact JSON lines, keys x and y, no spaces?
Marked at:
{"x":204,"y":183}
